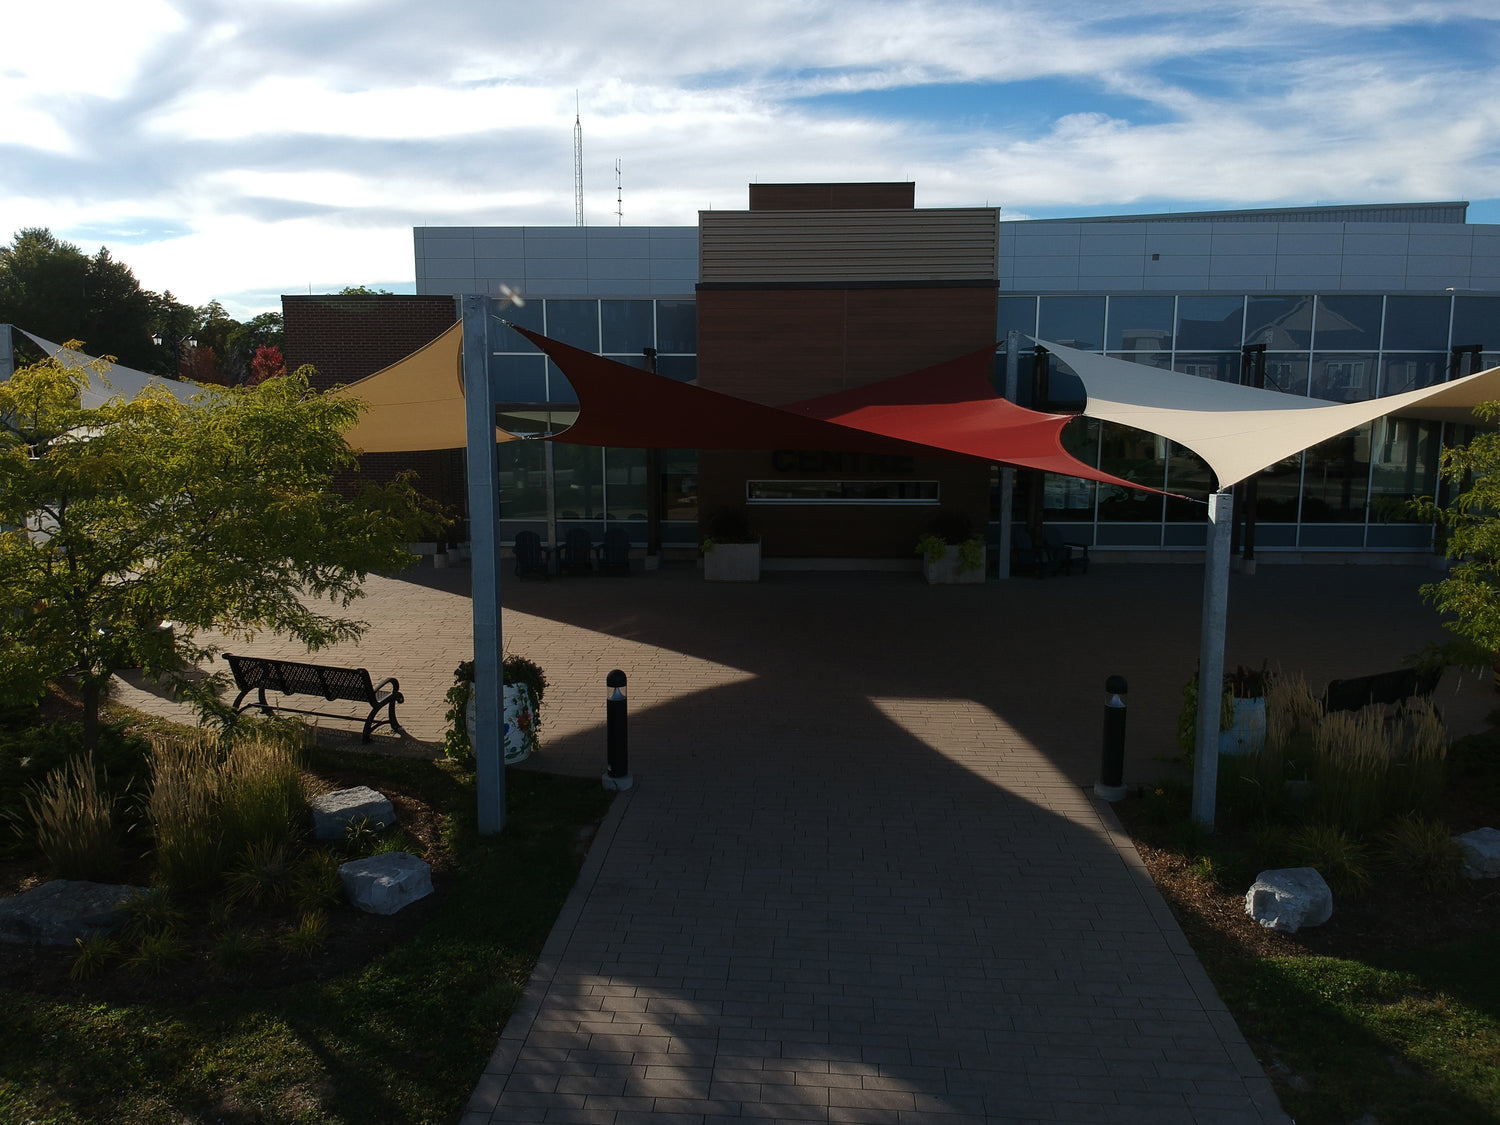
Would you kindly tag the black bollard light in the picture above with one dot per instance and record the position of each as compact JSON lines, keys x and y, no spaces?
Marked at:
{"x":1112,"y":762}
{"x":617,"y":742}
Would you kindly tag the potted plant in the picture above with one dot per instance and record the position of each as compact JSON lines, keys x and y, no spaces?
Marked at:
{"x":1242,"y":714}
{"x":731,"y":551}
{"x":951,"y":552}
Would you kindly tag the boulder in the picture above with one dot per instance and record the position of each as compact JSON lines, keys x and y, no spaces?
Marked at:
{"x":383,"y":884}
{"x":1481,"y":849}
{"x":1288,"y":898}
{"x":332,"y":812}
{"x":64,"y":910}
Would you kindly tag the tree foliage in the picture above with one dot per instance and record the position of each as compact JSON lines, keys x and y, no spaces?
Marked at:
{"x":216,"y":514}
{"x":1470,"y":523}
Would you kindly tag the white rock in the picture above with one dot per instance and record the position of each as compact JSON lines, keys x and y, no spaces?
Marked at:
{"x":59,"y":912}
{"x":333,"y":811}
{"x":1481,"y":849}
{"x":383,"y":884}
{"x":1288,"y":898}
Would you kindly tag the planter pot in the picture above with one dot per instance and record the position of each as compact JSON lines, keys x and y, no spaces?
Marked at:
{"x":518,"y":729}
{"x":732,"y":562}
{"x":1248,"y":734}
{"x":945,"y":570}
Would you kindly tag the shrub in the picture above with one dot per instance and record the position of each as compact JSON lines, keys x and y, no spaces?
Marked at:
{"x":236,"y":948}
{"x":262,"y":875}
{"x":183,"y":808}
{"x":74,"y":819}
{"x":95,"y":952}
{"x":1425,"y":850}
{"x":310,"y":935}
{"x":152,"y":913}
{"x":157,"y":953}
{"x":1366,"y":767}
{"x":315,"y":882}
{"x":261,"y":796}
{"x":1341,"y":859}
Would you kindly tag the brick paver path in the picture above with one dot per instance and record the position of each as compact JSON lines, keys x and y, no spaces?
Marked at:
{"x":861,"y":877}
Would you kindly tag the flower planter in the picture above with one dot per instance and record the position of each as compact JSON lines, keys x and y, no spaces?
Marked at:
{"x":945,"y":570}
{"x":1248,"y":734}
{"x":518,"y":728}
{"x":732,"y":562}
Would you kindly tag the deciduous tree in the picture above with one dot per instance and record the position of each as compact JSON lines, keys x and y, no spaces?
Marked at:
{"x":216,"y":514}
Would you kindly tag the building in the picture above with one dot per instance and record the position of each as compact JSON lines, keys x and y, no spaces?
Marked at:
{"x":818,"y":287}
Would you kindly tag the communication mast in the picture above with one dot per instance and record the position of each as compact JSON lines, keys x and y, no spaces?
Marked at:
{"x":577,"y":160}
{"x":619,"y":195}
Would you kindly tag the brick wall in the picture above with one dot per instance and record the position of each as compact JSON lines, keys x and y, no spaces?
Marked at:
{"x":347,"y":338}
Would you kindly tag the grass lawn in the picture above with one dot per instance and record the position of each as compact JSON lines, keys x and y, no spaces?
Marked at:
{"x":391,"y":1026}
{"x":1390,"y":1012}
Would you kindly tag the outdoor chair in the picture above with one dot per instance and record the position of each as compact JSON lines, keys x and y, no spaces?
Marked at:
{"x":614,"y":552}
{"x":531,"y":556}
{"x":1027,"y":557}
{"x":1064,"y":555}
{"x":577,"y":550}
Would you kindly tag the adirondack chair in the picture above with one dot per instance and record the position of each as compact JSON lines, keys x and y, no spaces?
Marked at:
{"x":577,"y":552}
{"x":531,"y":556}
{"x":614,"y":552}
{"x":1065,"y":555}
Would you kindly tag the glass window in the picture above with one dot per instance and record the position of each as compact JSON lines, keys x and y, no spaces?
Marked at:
{"x":1077,"y":322}
{"x":1286,"y":373}
{"x":1161,"y":360}
{"x":677,"y":326}
{"x":626,"y":326}
{"x":1408,"y":372}
{"x":679,"y":483}
{"x":1404,"y":456}
{"x":841,"y":492}
{"x":1210,"y":323}
{"x":1417,"y":323}
{"x":1277,"y":489}
{"x":1133,"y":455}
{"x":637,"y":361}
{"x":558,"y":387}
{"x":1189,"y":475}
{"x":1064,"y":392}
{"x":505,"y":339}
{"x":1336,"y":479}
{"x":1140,"y":324}
{"x":578,"y":471}
{"x":1018,"y":314}
{"x":1280,"y":323}
{"x":1343,"y":377}
{"x":574,"y":322}
{"x":1223,"y":366}
{"x":522,"y":481}
{"x":1347,"y":323}
{"x":625,"y":484}
{"x":1476,"y":320}
{"x":519,"y":378}
{"x":683,"y":368}
{"x":1070,"y":498}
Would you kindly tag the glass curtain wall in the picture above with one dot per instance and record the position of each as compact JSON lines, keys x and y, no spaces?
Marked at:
{"x":587,"y":486}
{"x":1348,"y":492}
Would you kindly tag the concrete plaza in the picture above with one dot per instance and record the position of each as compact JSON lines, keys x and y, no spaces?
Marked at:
{"x":861,"y":876}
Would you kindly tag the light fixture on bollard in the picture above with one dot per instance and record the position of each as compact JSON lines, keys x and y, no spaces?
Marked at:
{"x":1112,"y":762}
{"x":617,"y":743}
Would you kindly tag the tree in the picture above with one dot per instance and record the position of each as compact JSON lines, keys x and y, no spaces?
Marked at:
{"x":1470,"y":524}
{"x":216,"y":514}
{"x":363,"y":291}
{"x":260,"y":331}
{"x":267,"y":364}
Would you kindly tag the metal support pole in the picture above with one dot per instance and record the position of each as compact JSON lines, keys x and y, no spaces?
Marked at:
{"x":1007,"y":473}
{"x":7,"y":354}
{"x":653,"y":485}
{"x":616,"y":740}
{"x":1110,"y":785}
{"x":484,"y":528}
{"x":1211,"y":656}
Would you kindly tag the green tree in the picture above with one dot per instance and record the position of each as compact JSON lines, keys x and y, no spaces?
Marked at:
{"x":1470,"y":527}
{"x":44,"y":285}
{"x":263,"y":331}
{"x":216,"y":514}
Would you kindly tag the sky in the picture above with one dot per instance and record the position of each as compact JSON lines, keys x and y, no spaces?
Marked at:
{"x":235,"y":150}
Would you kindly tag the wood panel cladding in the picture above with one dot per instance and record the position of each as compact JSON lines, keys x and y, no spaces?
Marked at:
{"x":832,"y":197}
{"x":779,"y":346}
{"x":932,"y":244}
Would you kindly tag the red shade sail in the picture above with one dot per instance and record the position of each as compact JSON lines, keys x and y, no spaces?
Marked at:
{"x":947,"y":410}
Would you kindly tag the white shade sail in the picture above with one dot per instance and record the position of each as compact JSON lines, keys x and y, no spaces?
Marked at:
{"x":118,"y":382}
{"x":1240,"y":430}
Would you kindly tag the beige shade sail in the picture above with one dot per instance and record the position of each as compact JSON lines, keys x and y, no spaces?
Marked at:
{"x":1240,"y":430}
{"x":416,"y":403}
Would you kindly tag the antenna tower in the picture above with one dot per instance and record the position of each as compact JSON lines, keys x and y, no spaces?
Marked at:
{"x":619,"y":195}
{"x":577,"y":160}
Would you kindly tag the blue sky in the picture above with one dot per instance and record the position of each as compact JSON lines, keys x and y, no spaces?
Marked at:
{"x":238,"y":151}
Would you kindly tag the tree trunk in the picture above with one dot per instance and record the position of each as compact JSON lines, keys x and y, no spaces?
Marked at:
{"x":89,"y":693}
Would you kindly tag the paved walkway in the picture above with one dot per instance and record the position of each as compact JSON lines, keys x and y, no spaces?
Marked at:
{"x":860,"y":877}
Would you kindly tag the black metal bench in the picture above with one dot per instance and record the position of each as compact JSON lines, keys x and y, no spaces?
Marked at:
{"x":254,"y":673}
